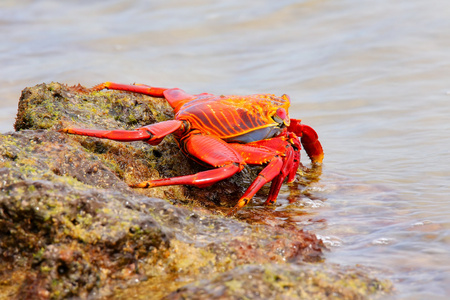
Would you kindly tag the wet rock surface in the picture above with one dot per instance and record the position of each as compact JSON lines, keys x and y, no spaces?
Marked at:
{"x":275,"y":281}
{"x":71,"y":227}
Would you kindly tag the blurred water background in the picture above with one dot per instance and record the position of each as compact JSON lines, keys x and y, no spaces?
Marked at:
{"x":372,"y":77}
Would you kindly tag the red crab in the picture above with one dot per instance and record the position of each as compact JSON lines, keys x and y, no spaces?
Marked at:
{"x":226,"y":133}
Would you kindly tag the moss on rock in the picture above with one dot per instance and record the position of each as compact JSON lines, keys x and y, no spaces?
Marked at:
{"x":291,"y":281}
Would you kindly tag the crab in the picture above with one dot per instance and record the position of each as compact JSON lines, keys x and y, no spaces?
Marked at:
{"x":225,"y":133}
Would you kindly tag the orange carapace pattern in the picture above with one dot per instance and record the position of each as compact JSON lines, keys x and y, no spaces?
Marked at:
{"x":230,"y":116}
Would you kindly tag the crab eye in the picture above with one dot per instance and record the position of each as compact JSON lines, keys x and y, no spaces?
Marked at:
{"x":281,"y":117}
{"x":281,"y":113}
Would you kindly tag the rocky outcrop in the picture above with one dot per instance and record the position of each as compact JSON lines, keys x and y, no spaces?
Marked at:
{"x":71,"y":227}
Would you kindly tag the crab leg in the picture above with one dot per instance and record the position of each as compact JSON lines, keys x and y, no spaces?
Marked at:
{"x":256,"y":154}
{"x":260,"y":152}
{"x":291,"y":162}
{"x":152,"y":134}
{"x":137,"y":88}
{"x":200,"y":179}
{"x":288,"y":163}
{"x":265,"y":176}
{"x":210,"y":150}
{"x":176,"y":97}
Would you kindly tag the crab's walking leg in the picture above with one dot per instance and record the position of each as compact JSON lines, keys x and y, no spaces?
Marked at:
{"x":176,"y":97}
{"x":200,"y":179}
{"x":152,"y":134}
{"x":288,"y":163}
{"x":137,"y":88}
{"x":257,"y":154}
{"x":291,"y":162}
{"x":208,"y":149}
{"x":265,"y":176}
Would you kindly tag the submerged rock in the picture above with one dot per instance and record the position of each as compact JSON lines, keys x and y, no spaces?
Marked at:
{"x":71,"y":227}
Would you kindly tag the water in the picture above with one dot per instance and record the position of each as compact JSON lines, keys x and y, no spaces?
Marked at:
{"x":372,"y":77}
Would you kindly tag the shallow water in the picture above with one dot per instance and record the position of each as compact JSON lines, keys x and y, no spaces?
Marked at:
{"x":371,"y":77}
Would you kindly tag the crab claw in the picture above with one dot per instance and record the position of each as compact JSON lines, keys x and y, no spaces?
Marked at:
{"x":309,"y":139}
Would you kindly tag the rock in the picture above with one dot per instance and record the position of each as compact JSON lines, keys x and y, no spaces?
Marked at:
{"x":289,"y":281}
{"x":71,"y":227}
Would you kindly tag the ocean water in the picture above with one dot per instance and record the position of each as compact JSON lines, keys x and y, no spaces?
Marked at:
{"x":372,"y":77}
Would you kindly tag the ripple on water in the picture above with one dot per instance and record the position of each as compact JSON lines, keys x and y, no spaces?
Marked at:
{"x":330,"y":241}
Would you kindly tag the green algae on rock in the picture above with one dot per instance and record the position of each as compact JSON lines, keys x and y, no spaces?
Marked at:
{"x":290,"y":281}
{"x":71,"y":226}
